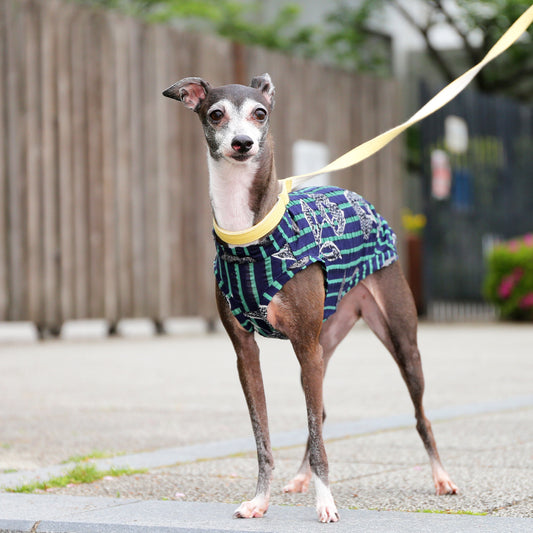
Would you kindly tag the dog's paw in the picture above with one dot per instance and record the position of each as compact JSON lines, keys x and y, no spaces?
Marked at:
{"x":327,"y":513}
{"x":445,"y":486}
{"x":255,"y":508}
{"x":443,"y":483}
{"x":300,"y":483}
{"x":325,"y":505}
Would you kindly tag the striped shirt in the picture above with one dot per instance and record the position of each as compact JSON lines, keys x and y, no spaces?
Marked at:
{"x":332,"y":226}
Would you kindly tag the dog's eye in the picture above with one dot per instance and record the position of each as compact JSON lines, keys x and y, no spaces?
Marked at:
{"x":260,"y":114}
{"x":216,"y":115}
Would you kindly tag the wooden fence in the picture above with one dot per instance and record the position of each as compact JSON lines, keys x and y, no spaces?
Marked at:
{"x":104,"y":207}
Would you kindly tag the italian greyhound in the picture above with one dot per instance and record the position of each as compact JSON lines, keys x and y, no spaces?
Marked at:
{"x":243,"y":190}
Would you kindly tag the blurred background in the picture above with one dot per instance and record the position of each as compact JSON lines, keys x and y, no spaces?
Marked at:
{"x":104,"y":209}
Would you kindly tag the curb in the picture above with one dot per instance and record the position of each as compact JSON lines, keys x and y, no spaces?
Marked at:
{"x":22,"y":513}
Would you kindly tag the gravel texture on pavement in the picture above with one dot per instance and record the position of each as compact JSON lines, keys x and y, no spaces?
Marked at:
{"x":61,"y":398}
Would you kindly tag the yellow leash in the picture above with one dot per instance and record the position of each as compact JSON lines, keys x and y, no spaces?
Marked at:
{"x":368,"y":148}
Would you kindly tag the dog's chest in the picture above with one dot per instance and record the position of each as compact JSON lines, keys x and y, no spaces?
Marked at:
{"x":229,"y":188}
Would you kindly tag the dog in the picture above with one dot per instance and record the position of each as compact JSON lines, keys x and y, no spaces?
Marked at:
{"x":330,"y":260}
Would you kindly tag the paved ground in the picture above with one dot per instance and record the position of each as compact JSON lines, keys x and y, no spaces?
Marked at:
{"x":173,"y":405}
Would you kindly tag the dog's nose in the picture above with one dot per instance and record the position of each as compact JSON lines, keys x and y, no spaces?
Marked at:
{"x":242,"y":143}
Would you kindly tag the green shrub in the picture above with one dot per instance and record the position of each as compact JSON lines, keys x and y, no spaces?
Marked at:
{"x":509,"y":282}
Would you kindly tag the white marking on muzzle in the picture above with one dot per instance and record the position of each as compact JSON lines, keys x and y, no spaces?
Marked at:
{"x":239,"y":123}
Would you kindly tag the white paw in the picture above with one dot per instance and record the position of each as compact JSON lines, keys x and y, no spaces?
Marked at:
{"x":327,"y":514}
{"x":300,"y":483}
{"x":443,"y":482}
{"x":325,"y":505}
{"x":445,"y":486}
{"x":255,"y":508}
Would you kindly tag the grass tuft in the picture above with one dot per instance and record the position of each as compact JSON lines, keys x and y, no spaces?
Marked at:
{"x":450,"y":511}
{"x":81,"y":473}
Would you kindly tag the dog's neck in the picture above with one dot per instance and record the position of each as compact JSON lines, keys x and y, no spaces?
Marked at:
{"x":242,"y":193}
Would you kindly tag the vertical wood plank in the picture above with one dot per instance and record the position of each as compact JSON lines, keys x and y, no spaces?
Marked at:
{"x":356,"y":125}
{"x":382,"y":200}
{"x":79,"y":208}
{"x":178,"y":123}
{"x":4,"y":299}
{"x":150,"y":181}
{"x":163,"y":209}
{"x":369,"y":130}
{"x":65,"y":93}
{"x":338,"y":124}
{"x":191,"y":139}
{"x":137,"y":201}
{"x":49,"y":163}
{"x":123,"y":166}
{"x":14,"y":153}
{"x":95,"y":179}
{"x":109,"y":151}
{"x":32,"y":139}
{"x":23,"y":17}
{"x":191,"y":213}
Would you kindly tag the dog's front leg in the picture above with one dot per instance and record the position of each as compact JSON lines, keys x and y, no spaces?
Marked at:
{"x":252,"y":385}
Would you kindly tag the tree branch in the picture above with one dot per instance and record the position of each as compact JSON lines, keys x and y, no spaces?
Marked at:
{"x":424,"y":31}
{"x":474,"y":53}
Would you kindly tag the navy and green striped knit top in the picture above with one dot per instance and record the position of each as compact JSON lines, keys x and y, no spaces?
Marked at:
{"x":335,"y":227}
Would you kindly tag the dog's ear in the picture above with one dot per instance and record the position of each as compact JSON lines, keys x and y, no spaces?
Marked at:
{"x":190,"y":91}
{"x":265,"y":85}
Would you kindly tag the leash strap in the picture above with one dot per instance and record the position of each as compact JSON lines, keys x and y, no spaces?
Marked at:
{"x":368,"y":148}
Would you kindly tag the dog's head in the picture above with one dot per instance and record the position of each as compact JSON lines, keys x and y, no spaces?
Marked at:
{"x":235,"y":118}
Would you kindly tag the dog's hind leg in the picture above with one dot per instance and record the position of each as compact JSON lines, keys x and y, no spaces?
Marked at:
{"x":300,"y":482}
{"x":390,"y":312}
{"x":332,"y":333}
{"x":252,"y":385}
{"x":302,"y":324}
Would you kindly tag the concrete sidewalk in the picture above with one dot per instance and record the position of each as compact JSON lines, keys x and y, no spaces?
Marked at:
{"x":173,"y":405}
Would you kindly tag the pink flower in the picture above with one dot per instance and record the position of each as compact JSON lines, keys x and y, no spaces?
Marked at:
{"x":528,"y":239}
{"x":508,"y":283}
{"x":506,"y":287}
{"x":527,"y":301}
